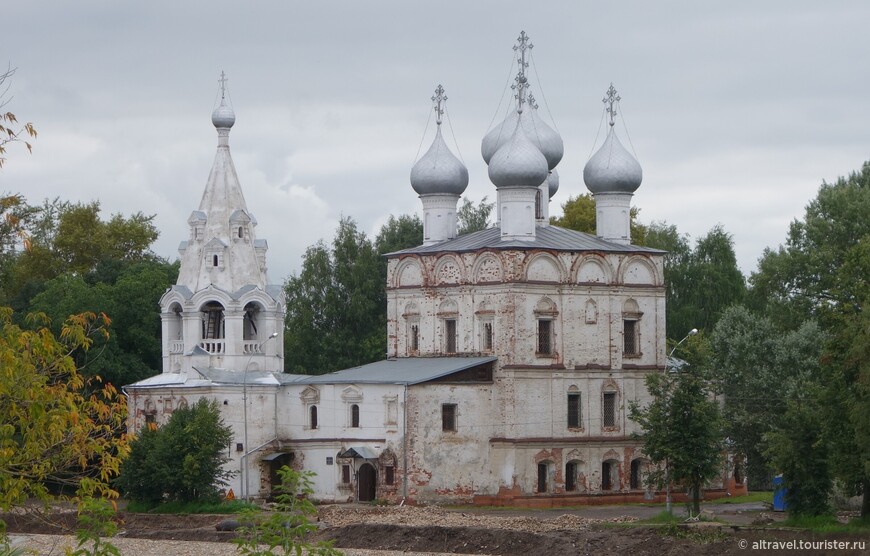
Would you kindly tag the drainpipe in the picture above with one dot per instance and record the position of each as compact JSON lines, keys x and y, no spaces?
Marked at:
{"x":405,"y":444}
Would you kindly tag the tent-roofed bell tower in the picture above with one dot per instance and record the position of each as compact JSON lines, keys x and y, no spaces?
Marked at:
{"x":222,"y":309}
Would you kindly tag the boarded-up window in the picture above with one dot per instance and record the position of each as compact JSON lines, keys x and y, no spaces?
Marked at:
{"x":574,"y":410}
{"x":608,"y":410}
{"x":389,"y":475}
{"x":450,"y":335}
{"x":345,"y":474}
{"x":545,"y":337}
{"x":631,"y":345}
{"x":448,"y":417}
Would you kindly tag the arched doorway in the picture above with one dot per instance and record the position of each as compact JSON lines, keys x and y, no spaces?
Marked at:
{"x":367,"y":482}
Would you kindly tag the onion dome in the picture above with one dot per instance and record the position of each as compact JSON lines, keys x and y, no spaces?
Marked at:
{"x":518,"y":162}
{"x":438,"y":171}
{"x":223,"y":116}
{"x":544,"y":137}
{"x":553,"y":182}
{"x":612,"y":169}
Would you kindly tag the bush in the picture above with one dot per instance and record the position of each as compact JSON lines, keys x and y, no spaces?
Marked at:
{"x":181,"y":461}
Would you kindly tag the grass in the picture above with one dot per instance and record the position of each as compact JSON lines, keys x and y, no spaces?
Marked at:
{"x":828,"y":524}
{"x":763,"y":496}
{"x":200,"y":507}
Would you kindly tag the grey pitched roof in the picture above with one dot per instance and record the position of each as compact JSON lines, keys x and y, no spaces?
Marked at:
{"x":403,"y":370}
{"x":546,"y":237}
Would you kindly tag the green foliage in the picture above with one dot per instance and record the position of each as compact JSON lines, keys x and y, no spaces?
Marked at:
{"x":399,"y":233}
{"x":55,"y":426}
{"x":283,"y":530}
{"x":698,"y":535}
{"x":821,"y":273}
{"x":182,"y":460}
{"x":6,"y":548}
{"x":578,"y":213}
{"x":681,"y":426}
{"x":758,"y":368}
{"x":797,"y":448}
{"x":194,"y":507}
{"x":95,"y":522}
{"x":336,"y":306}
{"x":129,"y":292}
{"x":470,"y":218}
{"x":700,"y":282}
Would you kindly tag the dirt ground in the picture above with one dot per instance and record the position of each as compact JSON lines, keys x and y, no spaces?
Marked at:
{"x":602,"y":531}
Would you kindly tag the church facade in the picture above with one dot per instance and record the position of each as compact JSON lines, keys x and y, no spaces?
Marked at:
{"x":513,"y":352}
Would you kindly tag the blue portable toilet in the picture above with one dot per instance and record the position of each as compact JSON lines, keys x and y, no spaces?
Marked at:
{"x":779,"y":491}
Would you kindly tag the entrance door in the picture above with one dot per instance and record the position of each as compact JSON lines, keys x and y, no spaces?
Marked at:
{"x":368,"y":482}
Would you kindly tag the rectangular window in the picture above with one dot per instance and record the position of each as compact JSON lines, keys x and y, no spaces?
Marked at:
{"x":448,"y":417}
{"x":630,"y":339}
{"x":570,"y":476}
{"x":389,"y":475}
{"x":450,"y":335}
{"x":414,"y":343}
{"x":545,"y":337}
{"x":574,"y":410}
{"x":345,"y":474}
{"x":487,"y":336}
{"x":608,"y":410}
{"x":542,"y":477}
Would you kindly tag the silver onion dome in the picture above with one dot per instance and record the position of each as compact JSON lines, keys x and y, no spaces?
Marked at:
{"x":553,"y":182}
{"x":544,"y":137}
{"x":612,"y":169}
{"x":518,"y":162}
{"x":223,"y":116}
{"x":438,"y":171}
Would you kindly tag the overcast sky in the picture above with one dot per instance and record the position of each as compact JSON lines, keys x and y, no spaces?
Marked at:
{"x":737,"y":110}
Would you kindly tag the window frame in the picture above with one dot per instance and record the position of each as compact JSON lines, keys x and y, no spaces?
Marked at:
{"x":449,"y":417}
{"x":548,"y":336}
{"x":614,"y":422}
{"x":576,"y":412}
{"x":451,"y":338}
{"x":632,"y":349}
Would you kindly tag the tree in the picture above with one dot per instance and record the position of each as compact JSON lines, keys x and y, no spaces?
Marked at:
{"x":10,"y":130}
{"x":820,"y":273}
{"x":758,"y":368}
{"x":287,"y":525}
{"x":701,"y":281}
{"x":182,"y":460}
{"x":578,"y":213}
{"x":681,"y":426}
{"x":336,"y":305}
{"x":473,"y":219}
{"x":56,"y":427}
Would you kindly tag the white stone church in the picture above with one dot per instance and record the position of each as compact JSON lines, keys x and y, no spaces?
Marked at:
{"x":513,"y":352}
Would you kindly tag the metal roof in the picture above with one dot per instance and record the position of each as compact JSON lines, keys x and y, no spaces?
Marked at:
{"x":403,"y":370}
{"x":546,"y":237}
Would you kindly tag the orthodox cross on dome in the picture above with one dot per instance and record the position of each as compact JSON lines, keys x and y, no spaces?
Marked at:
{"x":610,"y":100}
{"x":439,"y":99}
{"x":522,"y":82}
{"x":223,"y":84}
{"x":532,"y":101}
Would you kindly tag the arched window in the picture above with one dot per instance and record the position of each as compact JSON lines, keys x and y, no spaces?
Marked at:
{"x":610,"y":475}
{"x":312,"y":417}
{"x":354,"y":416}
{"x":544,"y":472}
{"x":252,"y":312}
{"x":241,"y":232}
{"x":214,"y":260}
{"x":573,"y":473}
{"x":212,"y":320}
{"x":636,"y":479}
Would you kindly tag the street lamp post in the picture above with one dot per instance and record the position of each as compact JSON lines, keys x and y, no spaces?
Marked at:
{"x":692,"y":332}
{"x":243,"y":471}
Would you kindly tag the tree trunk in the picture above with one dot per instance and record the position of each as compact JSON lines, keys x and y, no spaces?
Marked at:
{"x":696,"y":498}
{"x":865,"y":504}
